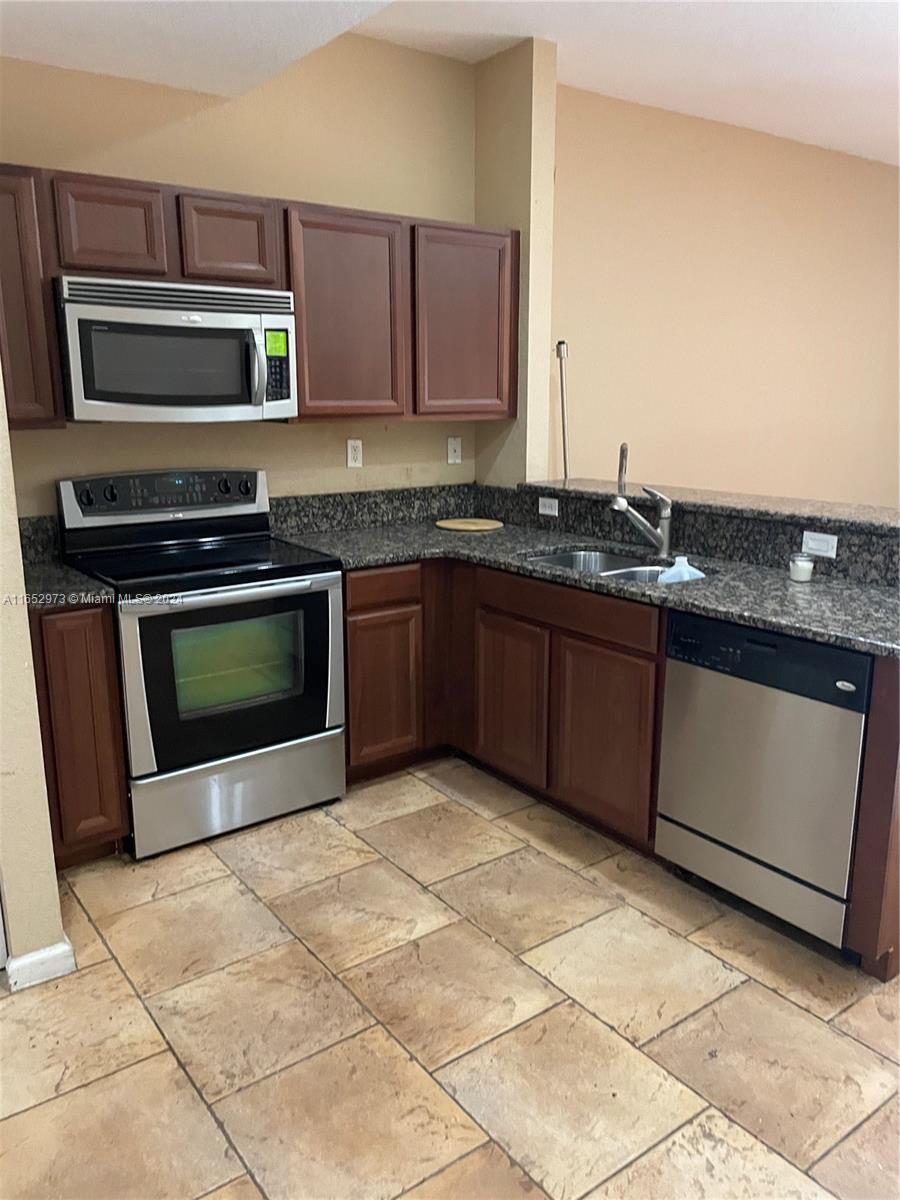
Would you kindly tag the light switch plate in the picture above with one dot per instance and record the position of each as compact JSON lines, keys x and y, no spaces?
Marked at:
{"x":822,"y":544}
{"x":354,"y":452}
{"x":454,"y":450}
{"x":548,"y":506}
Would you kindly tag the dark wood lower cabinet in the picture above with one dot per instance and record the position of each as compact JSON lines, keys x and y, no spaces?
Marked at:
{"x":603,"y":725}
{"x":384,"y":677}
{"x":79,"y":704}
{"x":512,"y":689}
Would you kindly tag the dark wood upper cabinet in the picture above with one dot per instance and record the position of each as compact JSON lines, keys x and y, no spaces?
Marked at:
{"x":512,"y":686}
{"x":79,"y":703}
{"x":234,"y":240}
{"x":384,"y":675}
{"x":349,"y":278}
{"x":602,"y":742}
{"x":110,"y":225}
{"x":31,"y":400}
{"x":465,"y":314}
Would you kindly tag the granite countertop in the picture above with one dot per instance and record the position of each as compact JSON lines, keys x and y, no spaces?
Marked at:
{"x":829,"y":514}
{"x":858,"y":616}
{"x":54,"y":585}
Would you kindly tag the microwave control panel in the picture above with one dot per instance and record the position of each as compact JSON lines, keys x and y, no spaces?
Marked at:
{"x":150,"y":491}
{"x":278,"y":362}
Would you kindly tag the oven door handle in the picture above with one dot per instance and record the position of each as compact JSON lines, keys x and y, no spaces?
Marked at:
{"x":244,"y":593}
{"x":259,"y":368}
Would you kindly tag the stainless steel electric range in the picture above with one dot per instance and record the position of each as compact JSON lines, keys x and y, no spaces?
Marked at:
{"x":231,"y":649}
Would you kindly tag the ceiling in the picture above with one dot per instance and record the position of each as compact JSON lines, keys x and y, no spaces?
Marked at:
{"x":823,"y":73}
{"x":225,"y":47}
{"x":815,"y":72}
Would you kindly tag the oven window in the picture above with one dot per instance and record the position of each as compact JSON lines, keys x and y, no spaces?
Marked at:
{"x":156,"y":364}
{"x":220,"y":668}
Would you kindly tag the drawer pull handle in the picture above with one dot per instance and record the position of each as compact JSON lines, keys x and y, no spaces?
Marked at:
{"x":845,"y":685}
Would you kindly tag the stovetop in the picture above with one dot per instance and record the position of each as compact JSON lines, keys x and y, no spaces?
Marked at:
{"x":190,"y":567}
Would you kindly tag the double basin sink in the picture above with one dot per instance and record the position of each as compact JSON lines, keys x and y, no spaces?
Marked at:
{"x":598,"y":562}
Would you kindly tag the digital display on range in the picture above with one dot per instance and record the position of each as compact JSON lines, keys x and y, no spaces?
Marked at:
{"x":170,"y":483}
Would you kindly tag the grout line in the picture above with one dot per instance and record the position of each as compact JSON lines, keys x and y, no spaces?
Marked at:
{"x":191,"y":887}
{"x":850,"y":1132}
{"x":79,"y":1087}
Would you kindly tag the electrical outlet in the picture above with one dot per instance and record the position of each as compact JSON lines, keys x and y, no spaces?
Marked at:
{"x":454,"y":450}
{"x":822,"y":544}
{"x":354,"y":452}
{"x":548,"y":506}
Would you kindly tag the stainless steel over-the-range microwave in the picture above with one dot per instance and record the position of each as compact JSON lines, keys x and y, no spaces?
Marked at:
{"x":141,"y":351}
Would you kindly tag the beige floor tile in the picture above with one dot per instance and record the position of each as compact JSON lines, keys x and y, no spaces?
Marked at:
{"x":284,"y":855}
{"x":866,"y":1165}
{"x":568,"y":841}
{"x":241,"y":1189}
{"x":88,"y":947}
{"x":875,"y":1020}
{"x":172,"y":940}
{"x":116,"y":883}
{"x":710,"y":1159}
{"x":439,"y":841}
{"x":61,"y":1034}
{"x":569,"y":1099}
{"x":359,"y":1120}
{"x":450,"y":991}
{"x":636,"y":975}
{"x":646,"y":885}
{"x":354,"y":916}
{"x":811,"y":979}
{"x":485,"y":1174}
{"x":141,"y":1133}
{"x":524,"y":898}
{"x":383,"y":800}
{"x":777,"y":1070}
{"x":483,"y":793}
{"x":236,"y":1025}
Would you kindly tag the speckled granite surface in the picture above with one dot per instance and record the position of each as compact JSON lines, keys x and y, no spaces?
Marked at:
{"x":860,"y":617}
{"x":51,"y":585}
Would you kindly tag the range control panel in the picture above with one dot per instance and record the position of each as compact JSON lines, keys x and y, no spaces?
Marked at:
{"x":147,"y":491}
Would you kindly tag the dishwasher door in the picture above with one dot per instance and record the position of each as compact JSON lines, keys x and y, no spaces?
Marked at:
{"x":758,"y":784}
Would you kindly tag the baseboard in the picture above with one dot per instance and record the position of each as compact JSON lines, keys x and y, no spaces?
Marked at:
{"x":25,"y":970}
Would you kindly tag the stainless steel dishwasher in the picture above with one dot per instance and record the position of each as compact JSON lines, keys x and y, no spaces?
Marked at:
{"x":759,"y":766}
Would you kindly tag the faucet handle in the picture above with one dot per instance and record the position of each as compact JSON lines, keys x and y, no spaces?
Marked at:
{"x":665,"y":504}
{"x":623,"y":467}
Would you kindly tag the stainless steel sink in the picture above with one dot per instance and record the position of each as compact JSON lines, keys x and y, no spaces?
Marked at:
{"x":590,"y":562}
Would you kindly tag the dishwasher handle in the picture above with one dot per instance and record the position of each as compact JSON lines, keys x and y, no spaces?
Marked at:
{"x":830,"y":674}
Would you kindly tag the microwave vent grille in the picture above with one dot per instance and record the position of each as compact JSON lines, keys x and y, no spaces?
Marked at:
{"x":127,"y":293}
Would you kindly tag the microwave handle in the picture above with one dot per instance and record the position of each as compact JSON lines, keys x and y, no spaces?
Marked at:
{"x":259,"y":368}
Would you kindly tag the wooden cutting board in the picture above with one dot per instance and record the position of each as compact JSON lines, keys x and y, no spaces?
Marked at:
{"x":469,"y":524}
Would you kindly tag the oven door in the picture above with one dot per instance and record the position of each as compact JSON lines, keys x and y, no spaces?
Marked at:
{"x":129,"y":364}
{"x":208,"y":675}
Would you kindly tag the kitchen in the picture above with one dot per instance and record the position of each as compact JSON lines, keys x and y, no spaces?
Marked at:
{"x":704,"y":772}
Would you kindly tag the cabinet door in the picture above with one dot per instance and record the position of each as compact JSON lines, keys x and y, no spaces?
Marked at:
{"x":464,"y":321}
{"x":512,"y":674}
{"x":236,"y":240}
{"x":349,"y":281}
{"x":384,"y":673}
{"x":24,"y":344}
{"x":81,"y":726}
{"x":602,"y":750}
{"x":110,"y":226}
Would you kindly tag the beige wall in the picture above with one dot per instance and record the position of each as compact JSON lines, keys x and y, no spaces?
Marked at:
{"x":515,"y":129}
{"x":358,"y":123}
{"x":730,"y":301}
{"x":27,"y":875}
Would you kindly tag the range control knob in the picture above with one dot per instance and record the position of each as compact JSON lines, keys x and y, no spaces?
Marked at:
{"x":110,"y":493}
{"x":86,"y":497}
{"x":224,"y":485}
{"x":245,"y":487}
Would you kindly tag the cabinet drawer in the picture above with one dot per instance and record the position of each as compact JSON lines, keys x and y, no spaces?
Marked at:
{"x":383,"y":585}
{"x":620,"y":622}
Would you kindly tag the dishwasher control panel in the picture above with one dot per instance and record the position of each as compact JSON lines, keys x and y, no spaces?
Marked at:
{"x":820,"y":672}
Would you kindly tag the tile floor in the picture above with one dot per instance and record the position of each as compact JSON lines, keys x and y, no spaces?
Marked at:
{"x":439,"y":989}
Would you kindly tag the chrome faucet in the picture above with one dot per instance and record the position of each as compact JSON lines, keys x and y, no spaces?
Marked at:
{"x":658,"y":537}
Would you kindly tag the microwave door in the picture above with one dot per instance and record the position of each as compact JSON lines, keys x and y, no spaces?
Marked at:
{"x":153,"y":365}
